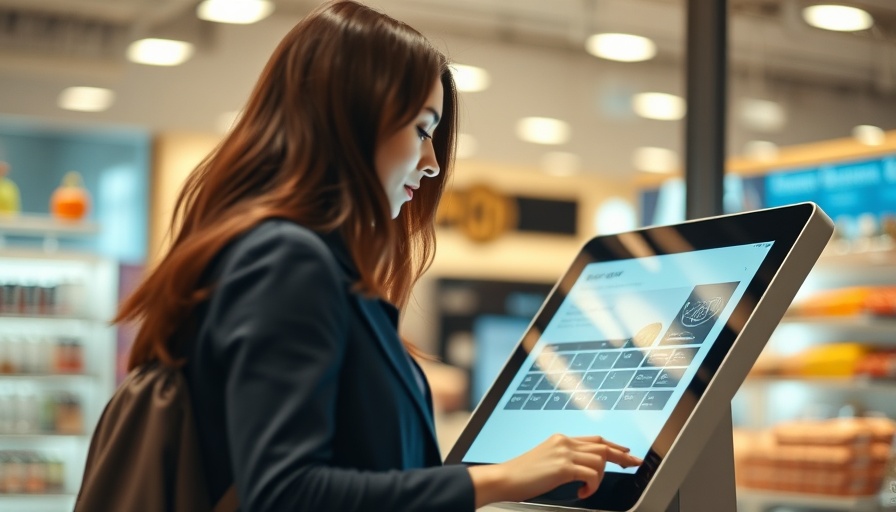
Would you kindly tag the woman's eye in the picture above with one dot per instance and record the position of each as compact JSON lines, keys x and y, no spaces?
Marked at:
{"x":422,"y":133}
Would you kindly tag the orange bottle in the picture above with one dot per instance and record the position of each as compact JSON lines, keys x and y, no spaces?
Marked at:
{"x":70,"y":201}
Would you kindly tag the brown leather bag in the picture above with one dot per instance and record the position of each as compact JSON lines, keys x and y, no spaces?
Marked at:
{"x":144,"y":453}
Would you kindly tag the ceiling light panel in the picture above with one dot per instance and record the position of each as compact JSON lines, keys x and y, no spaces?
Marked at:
{"x":240,"y":12}
{"x":621,"y":47}
{"x":656,"y":160}
{"x":543,"y":130}
{"x":840,"y":18}
{"x":160,"y":52}
{"x":470,"y":78}
{"x":659,"y":105}
{"x":869,"y":135}
{"x":85,"y":99}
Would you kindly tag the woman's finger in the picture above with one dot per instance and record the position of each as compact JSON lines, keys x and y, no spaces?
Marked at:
{"x":590,"y":478}
{"x":600,"y":440}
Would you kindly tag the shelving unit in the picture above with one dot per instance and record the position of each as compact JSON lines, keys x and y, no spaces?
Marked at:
{"x":57,"y":361}
{"x":749,"y":500}
{"x":767,"y":400}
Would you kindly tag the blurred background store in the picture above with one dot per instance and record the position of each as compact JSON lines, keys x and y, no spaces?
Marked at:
{"x":572,"y":126}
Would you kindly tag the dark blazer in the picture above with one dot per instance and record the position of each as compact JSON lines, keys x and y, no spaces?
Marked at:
{"x":304,"y":395}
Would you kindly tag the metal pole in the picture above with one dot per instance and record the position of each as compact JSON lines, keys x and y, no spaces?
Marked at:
{"x":707,"y":47}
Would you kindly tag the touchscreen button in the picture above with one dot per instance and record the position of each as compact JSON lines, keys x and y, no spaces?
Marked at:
{"x":682,"y":357}
{"x":629,"y":359}
{"x":667,"y":379}
{"x":658,"y":358}
{"x":570,"y":381}
{"x":557,"y":401}
{"x":548,"y":382}
{"x":516,"y":401}
{"x":593,"y":380}
{"x":580,"y":400}
{"x":644,"y":378}
{"x":536,"y":401}
{"x":582,"y":361}
{"x":605,"y":400}
{"x":617,"y":379}
{"x":530,"y":381}
{"x":655,"y":400}
{"x":604,"y":360}
{"x":630,"y":400}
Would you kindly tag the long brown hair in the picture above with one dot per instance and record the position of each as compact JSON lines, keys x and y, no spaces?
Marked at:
{"x":344,"y":78}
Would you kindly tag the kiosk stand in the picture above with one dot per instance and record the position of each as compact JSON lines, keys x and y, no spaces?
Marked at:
{"x":709,"y":485}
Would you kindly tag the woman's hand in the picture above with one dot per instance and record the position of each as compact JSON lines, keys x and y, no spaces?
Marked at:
{"x":557,"y":461}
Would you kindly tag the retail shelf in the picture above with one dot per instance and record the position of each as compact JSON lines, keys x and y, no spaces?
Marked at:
{"x":43,"y":435}
{"x":858,"y":383}
{"x":51,"y":318}
{"x":750,"y":500}
{"x":44,"y":226}
{"x":879,"y":255}
{"x":18,"y":495}
{"x":46,"y":377}
{"x":857,"y":324}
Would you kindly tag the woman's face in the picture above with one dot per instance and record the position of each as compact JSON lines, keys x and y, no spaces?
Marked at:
{"x":404,"y":158}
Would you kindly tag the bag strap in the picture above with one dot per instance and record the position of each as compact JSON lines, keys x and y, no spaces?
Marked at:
{"x":228,"y":502}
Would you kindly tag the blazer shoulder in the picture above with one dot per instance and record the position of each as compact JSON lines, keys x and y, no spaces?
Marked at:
{"x":279,"y":239}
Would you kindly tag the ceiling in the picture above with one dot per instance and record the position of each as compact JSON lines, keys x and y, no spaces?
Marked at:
{"x":532,"y":48}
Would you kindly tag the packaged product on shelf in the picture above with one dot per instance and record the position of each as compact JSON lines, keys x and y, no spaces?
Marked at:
{"x":30,"y":472}
{"x":14,"y":470}
{"x":69,"y":417}
{"x":842,"y":456}
{"x":849,"y":301}
{"x":10,"y":299}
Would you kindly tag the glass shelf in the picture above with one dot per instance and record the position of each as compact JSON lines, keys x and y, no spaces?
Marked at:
{"x":44,"y":226}
{"x":858,"y":383}
{"x":39,"y":435}
{"x":46,"y":376}
{"x":857,"y":324}
{"x":751,"y":500}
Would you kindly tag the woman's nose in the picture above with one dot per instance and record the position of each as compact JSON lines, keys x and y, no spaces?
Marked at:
{"x":428,"y":164}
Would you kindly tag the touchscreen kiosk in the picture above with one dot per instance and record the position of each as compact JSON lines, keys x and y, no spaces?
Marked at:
{"x":645,"y":341}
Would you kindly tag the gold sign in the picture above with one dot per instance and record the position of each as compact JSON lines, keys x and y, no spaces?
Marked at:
{"x":481,"y":213}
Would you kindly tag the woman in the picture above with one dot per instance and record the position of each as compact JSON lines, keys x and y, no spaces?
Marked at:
{"x":300,"y":237}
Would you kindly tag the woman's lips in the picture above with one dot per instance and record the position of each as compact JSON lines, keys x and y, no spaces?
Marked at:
{"x":410,"y":192}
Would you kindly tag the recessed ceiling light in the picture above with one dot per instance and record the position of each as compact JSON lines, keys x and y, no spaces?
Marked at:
{"x":85,"y":99}
{"x":761,"y":150}
{"x":869,"y":135}
{"x":470,"y":78}
{"x":241,"y":12}
{"x":621,"y":47}
{"x":840,"y":18}
{"x":466,"y":145}
{"x":543,"y":130}
{"x":762,"y":115}
{"x":159,"y":52}
{"x":659,"y":105}
{"x":561,"y":163}
{"x":657,"y":160}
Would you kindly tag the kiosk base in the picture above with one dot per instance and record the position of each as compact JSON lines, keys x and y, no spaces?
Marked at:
{"x":709,"y":486}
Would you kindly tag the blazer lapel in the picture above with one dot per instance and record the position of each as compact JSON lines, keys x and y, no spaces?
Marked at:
{"x":391,"y":345}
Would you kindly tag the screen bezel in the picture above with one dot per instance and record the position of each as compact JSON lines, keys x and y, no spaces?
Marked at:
{"x":783,"y":226}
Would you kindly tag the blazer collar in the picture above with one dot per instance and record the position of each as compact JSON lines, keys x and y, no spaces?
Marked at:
{"x":385,"y":332}
{"x":395,"y":353}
